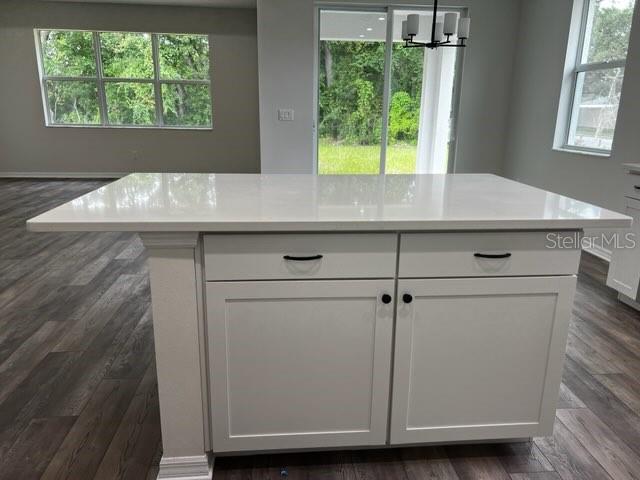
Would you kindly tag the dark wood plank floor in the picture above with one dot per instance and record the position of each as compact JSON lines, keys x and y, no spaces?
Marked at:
{"x":78,"y":393}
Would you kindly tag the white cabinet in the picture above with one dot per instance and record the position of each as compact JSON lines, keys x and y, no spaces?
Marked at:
{"x":632,"y":184}
{"x":478,"y":358}
{"x":300,"y":334}
{"x":299,"y":364}
{"x":624,"y":269}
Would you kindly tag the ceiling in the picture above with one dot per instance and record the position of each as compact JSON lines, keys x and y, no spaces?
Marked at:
{"x":198,"y":3}
{"x":370,"y":26}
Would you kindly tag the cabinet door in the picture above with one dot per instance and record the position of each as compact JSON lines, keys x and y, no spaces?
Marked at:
{"x":624,"y":269}
{"x":478,"y":358}
{"x":299,"y":364}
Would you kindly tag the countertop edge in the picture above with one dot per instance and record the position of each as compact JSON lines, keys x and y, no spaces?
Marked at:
{"x":374,"y":226}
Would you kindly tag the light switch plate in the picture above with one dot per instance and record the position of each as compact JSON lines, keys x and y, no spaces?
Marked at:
{"x":285,"y":114}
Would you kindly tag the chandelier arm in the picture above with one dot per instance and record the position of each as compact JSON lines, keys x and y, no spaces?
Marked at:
{"x":410,"y":44}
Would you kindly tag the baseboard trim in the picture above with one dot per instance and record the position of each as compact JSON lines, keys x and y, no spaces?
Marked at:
{"x":62,"y":174}
{"x":628,"y":301}
{"x":598,"y":251}
{"x":198,"y":467}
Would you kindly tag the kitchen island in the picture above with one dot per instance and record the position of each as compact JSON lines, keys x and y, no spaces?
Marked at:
{"x":311,"y":312}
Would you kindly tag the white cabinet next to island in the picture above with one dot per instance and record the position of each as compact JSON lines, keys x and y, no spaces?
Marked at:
{"x":304,"y":312}
{"x":624,"y":269}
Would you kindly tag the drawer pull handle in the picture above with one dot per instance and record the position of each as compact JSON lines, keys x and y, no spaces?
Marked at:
{"x":492,"y":255}
{"x":637,"y":187}
{"x":302,"y":259}
{"x":407,"y":298}
{"x":386,"y":298}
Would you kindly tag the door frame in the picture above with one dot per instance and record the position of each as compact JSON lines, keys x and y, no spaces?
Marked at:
{"x":349,"y":7}
{"x":389,"y":9}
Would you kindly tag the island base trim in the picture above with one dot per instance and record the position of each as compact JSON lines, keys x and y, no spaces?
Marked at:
{"x":629,"y":301}
{"x":197,"y":467}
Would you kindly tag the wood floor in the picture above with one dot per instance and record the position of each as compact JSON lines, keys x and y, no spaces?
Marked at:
{"x":78,"y":394}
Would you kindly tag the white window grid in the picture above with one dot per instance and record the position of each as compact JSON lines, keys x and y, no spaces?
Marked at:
{"x":584,"y":67}
{"x":101,"y":80}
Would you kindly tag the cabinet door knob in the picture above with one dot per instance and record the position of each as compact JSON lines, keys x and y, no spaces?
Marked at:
{"x":386,"y":298}
{"x":407,"y":298}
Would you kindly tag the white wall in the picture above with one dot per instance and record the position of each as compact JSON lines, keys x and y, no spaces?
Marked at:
{"x":286,"y":70}
{"x":486,"y":85}
{"x":286,"y":30}
{"x":27,"y":146}
{"x":534,"y":106}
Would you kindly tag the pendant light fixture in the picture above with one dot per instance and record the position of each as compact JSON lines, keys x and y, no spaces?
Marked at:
{"x":441,"y":32}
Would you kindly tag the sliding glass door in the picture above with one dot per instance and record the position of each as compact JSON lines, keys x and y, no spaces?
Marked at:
{"x":351,"y":90}
{"x":383,"y":108}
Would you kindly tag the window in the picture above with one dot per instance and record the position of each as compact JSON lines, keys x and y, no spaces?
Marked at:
{"x":383,"y":108}
{"x":125,"y":79}
{"x":597,"y":74}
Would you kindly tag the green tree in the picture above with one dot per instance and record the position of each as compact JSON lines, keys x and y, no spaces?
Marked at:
{"x":127,"y":56}
{"x":607,"y":40}
{"x":70,"y":54}
{"x":67,"y":53}
{"x":351,"y":91}
{"x":350,"y":97}
{"x":406,"y":71}
{"x":404,"y":116}
{"x":185,"y":57}
{"x":610,"y":31}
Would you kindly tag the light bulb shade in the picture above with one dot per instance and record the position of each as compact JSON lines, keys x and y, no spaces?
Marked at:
{"x":405,"y":35}
{"x":413,"y":24}
{"x":450,"y":22}
{"x":463,"y":27}
{"x":439,"y":32}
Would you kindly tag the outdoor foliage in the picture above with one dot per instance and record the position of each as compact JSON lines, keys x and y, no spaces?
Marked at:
{"x":403,"y":117}
{"x":126,"y":57}
{"x":350,"y":97}
{"x":185,"y":57}
{"x":598,"y":91}
{"x":610,"y":31}
{"x":70,"y":54}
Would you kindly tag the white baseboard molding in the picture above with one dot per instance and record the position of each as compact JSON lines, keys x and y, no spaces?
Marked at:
{"x":599,"y":252}
{"x":62,"y":174}
{"x":198,"y":467}
{"x":628,"y":301}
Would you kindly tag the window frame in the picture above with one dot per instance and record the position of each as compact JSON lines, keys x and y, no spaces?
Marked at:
{"x":101,"y":81}
{"x":580,"y":67}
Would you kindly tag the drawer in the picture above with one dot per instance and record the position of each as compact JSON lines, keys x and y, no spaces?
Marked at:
{"x":424,"y":255}
{"x":303,"y":256}
{"x":632,"y":185}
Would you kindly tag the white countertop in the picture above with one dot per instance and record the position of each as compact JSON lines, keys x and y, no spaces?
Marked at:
{"x":632,"y":167}
{"x":165,"y":202}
